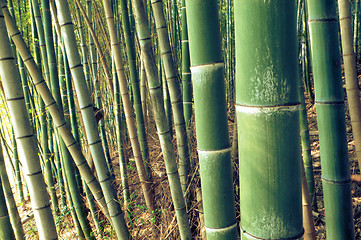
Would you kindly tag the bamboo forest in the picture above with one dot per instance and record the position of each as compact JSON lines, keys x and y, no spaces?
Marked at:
{"x":180,"y":119}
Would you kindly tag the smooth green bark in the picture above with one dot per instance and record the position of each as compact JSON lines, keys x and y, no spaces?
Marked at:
{"x":267,"y":107}
{"x":214,"y":150}
{"x":326,"y":63}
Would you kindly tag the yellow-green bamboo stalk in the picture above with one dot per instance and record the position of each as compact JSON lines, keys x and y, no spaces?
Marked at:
{"x":352,"y":87}
{"x":59,"y":121}
{"x":25,"y":137}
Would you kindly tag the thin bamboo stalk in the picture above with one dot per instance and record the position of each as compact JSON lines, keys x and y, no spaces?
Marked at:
{"x":175,"y":94}
{"x":12,"y":209}
{"x":25,"y":137}
{"x":6,"y":231}
{"x":154,"y":86}
{"x":128,"y":109}
{"x":352,"y":87}
{"x":87,"y":111}
{"x":64,"y":129}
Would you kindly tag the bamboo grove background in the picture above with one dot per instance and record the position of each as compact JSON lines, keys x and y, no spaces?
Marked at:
{"x":180,"y":119}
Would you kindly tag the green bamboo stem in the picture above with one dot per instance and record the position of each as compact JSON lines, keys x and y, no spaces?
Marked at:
{"x":304,"y":71}
{"x":84,"y":50}
{"x":167,"y":104}
{"x":214,"y":148}
{"x":128,"y":109}
{"x":305,"y":141}
{"x":19,"y":183}
{"x":131,"y":58}
{"x":96,"y":83}
{"x":68,"y":101}
{"x":154,"y":86}
{"x":356,"y":25}
{"x":25,"y":137}
{"x":38,"y":34}
{"x":308,"y":223}
{"x":171,"y":75}
{"x":143,"y":91}
{"x":70,"y":173}
{"x":6,"y":231}
{"x":12,"y":209}
{"x":352,"y":87}
{"x":73,"y":212}
{"x":87,"y":111}
{"x":119,"y":126}
{"x":323,"y":25}
{"x":267,"y":106}
{"x":186,"y":72}
{"x":63,"y":128}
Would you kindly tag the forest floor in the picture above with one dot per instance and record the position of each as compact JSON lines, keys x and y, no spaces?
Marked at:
{"x":142,"y":224}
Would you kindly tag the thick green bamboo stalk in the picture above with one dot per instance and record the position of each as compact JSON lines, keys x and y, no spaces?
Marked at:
{"x":154,"y":86}
{"x":12,"y":209}
{"x":171,"y":75}
{"x":64,"y":129}
{"x":6,"y":231}
{"x":87,"y":111}
{"x":214,"y":148}
{"x":352,"y":87}
{"x":186,"y":72}
{"x":128,"y":109}
{"x":25,"y":137}
{"x":326,"y":62}
{"x":267,"y":107}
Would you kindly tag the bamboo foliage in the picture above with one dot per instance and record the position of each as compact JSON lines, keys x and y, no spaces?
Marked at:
{"x":25,"y":138}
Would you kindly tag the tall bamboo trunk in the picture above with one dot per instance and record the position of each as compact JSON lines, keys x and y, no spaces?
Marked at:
{"x":186,"y":72}
{"x":326,"y":62}
{"x":267,"y":107}
{"x":214,"y":147}
{"x":175,"y":94}
{"x":352,"y":87}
